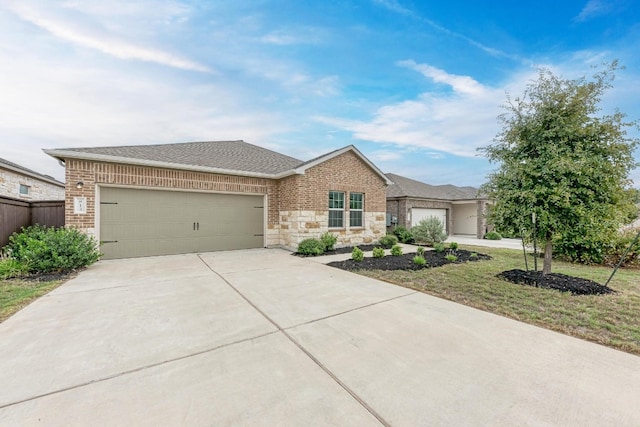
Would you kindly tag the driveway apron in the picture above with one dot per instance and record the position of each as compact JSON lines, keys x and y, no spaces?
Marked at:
{"x":260,"y":337}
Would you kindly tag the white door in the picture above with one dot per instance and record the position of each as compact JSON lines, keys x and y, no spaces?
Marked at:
{"x":418,"y":214}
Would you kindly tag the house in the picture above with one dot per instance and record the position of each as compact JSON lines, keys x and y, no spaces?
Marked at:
{"x":462,"y":210}
{"x":18,"y":182}
{"x":205,"y":196}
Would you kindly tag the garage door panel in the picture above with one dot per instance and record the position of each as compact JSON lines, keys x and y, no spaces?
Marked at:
{"x":418,"y":214}
{"x":150,"y":222}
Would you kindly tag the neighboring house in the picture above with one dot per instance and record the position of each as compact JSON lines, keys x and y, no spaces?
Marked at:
{"x":18,"y":182}
{"x":205,"y":196}
{"x":461,"y":209}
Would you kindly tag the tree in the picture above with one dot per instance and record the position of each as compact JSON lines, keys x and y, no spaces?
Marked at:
{"x":557,"y":159}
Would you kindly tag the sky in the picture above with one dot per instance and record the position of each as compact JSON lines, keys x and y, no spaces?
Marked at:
{"x":416,"y":86}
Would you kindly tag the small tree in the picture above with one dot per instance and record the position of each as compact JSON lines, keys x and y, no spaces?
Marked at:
{"x":561,"y":162}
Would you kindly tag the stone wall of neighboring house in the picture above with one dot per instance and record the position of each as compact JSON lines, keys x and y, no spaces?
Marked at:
{"x":304,"y":202}
{"x":10,"y":182}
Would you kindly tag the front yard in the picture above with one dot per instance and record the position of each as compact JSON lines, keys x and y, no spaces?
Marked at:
{"x":15,"y":294}
{"x":612,"y":319}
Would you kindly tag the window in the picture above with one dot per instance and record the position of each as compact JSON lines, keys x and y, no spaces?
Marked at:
{"x":356,"y":207}
{"x":336,"y":209}
{"x":24,"y":189}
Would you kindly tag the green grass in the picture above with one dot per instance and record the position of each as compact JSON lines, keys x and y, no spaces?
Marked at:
{"x":612,"y":320}
{"x":15,"y":294}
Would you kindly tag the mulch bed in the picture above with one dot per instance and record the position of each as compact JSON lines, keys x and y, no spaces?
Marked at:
{"x":405,"y":261}
{"x":47,"y":277}
{"x":561,"y":282}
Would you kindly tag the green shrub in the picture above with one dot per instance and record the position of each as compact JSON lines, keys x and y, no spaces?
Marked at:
{"x":451,"y":258}
{"x":419,"y":260}
{"x":47,"y":249}
{"x":10,"y":267}
{"x":311,"y":247}
{"x":328,"y":240}
{"x":357,"y":254}
{"x":420,"y":251}
{"x":378,"y":252}
{"x":620,"y":245}
{"x":438,"y":247}
{"x":396,"y":250}
{"x":403,"y":234}
{"x":473,"y":255}
{"x":388,"y":241}
{"x":493,"y":235}
{"x":429,"y":231}
{"x":453,"y":246}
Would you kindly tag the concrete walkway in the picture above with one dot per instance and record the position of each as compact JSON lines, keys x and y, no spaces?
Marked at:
{"x":261,"y":337}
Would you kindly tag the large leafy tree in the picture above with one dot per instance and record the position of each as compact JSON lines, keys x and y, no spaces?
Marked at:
{"x":560,"y":160}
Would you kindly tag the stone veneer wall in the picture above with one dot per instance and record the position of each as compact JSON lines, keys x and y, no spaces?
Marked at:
{"x":304,"y":201}
{"x":10,"y":182}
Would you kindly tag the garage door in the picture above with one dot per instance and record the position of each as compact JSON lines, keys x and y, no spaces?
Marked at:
{"x":135,"y":223}
{"x":418,"y":214}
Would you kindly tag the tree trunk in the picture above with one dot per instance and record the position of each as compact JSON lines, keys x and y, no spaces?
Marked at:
{"x":548,"y":250}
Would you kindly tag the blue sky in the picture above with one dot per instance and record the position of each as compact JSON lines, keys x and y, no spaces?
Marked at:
{"x":415,"y":85}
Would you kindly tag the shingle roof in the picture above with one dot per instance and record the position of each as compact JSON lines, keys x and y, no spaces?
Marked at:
{"x":17,"y":168}
{"x":406,"y":187}
{"x":222,"y":155}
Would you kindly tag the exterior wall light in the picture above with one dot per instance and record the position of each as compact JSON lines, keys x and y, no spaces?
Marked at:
{"x":79,"y":185}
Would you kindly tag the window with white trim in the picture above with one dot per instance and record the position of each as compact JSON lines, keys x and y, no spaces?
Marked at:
{"x":356,"y":209}
{"x":336,"y":209}
{"x":24,"y":189}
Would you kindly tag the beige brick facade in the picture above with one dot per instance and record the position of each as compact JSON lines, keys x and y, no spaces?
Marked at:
{"x":297,"y":205}
{"x":10,"y":182}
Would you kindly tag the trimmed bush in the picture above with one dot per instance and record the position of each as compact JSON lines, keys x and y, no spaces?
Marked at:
{"x":49,"y":249}
{"x":311,"y":247}
{"x":403,"y":234}
{"x":453,"y":246}
{"x":451,"y":258}
{"x":396,"y":250}
{"x":378,"y":252}
{"x":328,"y":240}
{"x":438,"y":247}
{"x":357,"y":254}
{"x":493,"y":235}
{"x":473,"y":255}
{"x":388,"y":241}
{"x":420,"y":251}
{"x":419,"y":260}
{"x":620,"y":245}
{"x":429,"y":231}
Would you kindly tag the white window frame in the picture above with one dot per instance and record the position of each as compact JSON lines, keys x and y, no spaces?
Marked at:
{"x":360,"y":210}
{"x":336,"y":209}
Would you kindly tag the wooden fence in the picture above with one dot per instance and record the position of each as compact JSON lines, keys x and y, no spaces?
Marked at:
{"x":15,"y":214}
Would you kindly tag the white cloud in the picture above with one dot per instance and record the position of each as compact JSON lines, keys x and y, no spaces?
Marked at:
{"x":592,"y":9}
{"x":98,"y":38}
{"x":456,"y":122}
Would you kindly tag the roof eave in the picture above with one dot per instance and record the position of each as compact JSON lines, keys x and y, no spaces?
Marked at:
{"x":302,"y":169}
{"x":32,"y":175}
{"x":69,"y":154}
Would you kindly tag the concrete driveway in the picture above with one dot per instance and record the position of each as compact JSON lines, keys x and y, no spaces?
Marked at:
{"x":260,"y":337}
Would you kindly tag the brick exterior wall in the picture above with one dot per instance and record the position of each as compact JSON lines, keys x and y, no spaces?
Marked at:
{"x":10,"y":182}
{"x":297,"y":205}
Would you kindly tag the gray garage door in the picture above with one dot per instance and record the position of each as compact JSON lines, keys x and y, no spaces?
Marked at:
{"x":135,"y":223}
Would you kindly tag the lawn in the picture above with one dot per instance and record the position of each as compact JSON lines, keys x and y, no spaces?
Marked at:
{"x":15,"y":294}
{"x":612,"y":320}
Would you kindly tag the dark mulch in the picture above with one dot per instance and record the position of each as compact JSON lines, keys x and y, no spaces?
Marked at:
{"x":48,"y":277}
{"x":561,"y":282}
{"x":405,"y":261}
{"x":344,"y":250}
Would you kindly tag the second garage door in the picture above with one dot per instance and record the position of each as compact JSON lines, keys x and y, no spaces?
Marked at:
{"x":135,"y":222}
{"x":418,"y":214}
